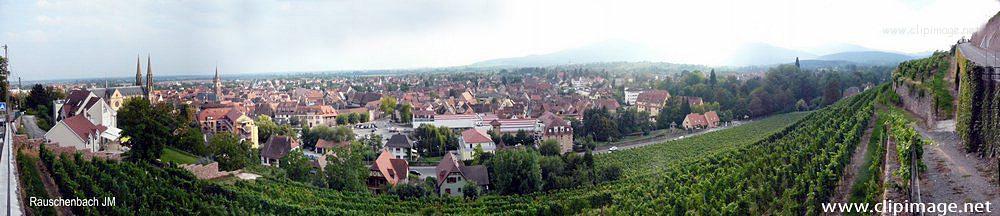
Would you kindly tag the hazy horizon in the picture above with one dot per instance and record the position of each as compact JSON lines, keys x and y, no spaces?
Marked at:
{"x":71,"y":40}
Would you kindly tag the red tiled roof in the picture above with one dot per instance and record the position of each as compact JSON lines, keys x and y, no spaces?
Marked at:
{"x":653,"y":96}
{"x":82,"y":127}
{"x":327,"y":144}
{"x":475,"y":136}
{"x":394,"y":170}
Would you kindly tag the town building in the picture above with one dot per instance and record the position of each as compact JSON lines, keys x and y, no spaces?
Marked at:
{"x":558,"y":129}
{"x":276,"y":148}
{"x":231,"y":120}
{"x":452,"y":175}
{"x":386,"y":172}
{"x":400,"y":146}
{"x":472,"y":139}
{"x":652,"y":101}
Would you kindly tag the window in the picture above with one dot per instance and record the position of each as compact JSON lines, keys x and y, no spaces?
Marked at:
{"x":452,"y":179}
{"x":447,"y":190}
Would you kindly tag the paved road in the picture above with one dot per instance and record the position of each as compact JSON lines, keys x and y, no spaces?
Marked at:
{"x":31,"y":127}
{"x":979,"y":55}
{"x":641,"y":143}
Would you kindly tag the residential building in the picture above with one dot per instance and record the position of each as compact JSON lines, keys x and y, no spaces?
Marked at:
{"x":652,"y":101}
{"x":631,"y":96}
{"x":229,"y":119}
{"x":325,"y":147}
{"x":558,"y":129}
{"x":80,"y":133}
{"x":275,"y":148}
{"x":399,"y":145}
{"x":387,"y":172}
{"x":697,"y":121}
{"x":472,"y":139}
{"x":452,"y":175}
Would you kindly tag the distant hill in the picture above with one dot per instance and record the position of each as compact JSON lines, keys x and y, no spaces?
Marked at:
{"x":832,"y":48}
{"x":607,"y":51}
{"x":868,"y":57}
{"x":765,"y":54}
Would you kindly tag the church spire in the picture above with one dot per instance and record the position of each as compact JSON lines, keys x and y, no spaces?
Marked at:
{"x":217,"y":82}
{"x":149,"y":74}
{"x":138,"y":71}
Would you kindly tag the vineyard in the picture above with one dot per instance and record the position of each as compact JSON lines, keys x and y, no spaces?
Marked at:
{"x":780,"y":165}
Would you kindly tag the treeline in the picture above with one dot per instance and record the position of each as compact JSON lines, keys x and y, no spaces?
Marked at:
{"x":38,"y":102}
{"x":783,"y":88}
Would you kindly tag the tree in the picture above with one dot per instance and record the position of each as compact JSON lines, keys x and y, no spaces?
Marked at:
{"x":516,"y":172}
{"x":266,"y":128}
{"x":145,"y":128}
{"x":598,"y":123}
{"x":388,"y":105}
{"x":337,"y":134}
{"x":191,"y":139}
{"x":346,"y":171}
{"x":712,"y":80}
{"x":433,"y":141}
{"x":230,"y":152}
{"x":470,"y":190}
{"x":406,"y":114}
{"x":4,"y":72}
{"x":297,"y":166}
{"x":831,"y":91}
{"x":549,"y":148}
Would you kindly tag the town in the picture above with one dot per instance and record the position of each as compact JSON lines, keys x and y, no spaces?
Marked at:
{"x":499,"y":108}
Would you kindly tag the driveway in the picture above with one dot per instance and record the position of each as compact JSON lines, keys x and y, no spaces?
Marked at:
{"x":31,"y":127}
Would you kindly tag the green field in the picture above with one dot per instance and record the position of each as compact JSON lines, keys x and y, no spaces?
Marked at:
{"x":171,"y":154}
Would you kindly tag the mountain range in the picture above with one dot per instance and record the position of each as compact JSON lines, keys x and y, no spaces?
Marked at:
{"x":750,"y":54}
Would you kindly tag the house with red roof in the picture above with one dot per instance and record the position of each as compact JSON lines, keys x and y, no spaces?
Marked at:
{"x":452,"y":175}
{"x":558,"y":129}
{"x":470,"y":140}
{"x":80,"y":133}
{"x":387,"y":171}
{"x":697,"y":121}
{"x":652,"y":101}
{"x":229,"y":119}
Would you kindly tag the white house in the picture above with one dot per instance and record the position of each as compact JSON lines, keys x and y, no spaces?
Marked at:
{"x":631,"y":96}
{"x":80,"y":133}
{"x":452,"y":175}
{"x":399,"y":146}
{"x":471,"y":138}
{"x":87,"y":104}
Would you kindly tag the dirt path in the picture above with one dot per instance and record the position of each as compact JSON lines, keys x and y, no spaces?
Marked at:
{"x":952,"y":176}
{"x":843,"y":192}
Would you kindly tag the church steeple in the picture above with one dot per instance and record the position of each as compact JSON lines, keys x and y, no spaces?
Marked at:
{"x":149,"y":75}
{"x":217,"y":82}
{"x":138,"y":71}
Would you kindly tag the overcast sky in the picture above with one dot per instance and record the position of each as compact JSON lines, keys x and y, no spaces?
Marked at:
{"x":83,"y":39}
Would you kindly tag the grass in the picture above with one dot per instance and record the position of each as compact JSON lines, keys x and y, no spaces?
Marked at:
{"x":171,"y":154}
{"x":866,"y":185}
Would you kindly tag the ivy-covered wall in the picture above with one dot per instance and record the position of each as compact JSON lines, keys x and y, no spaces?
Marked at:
{"x":978,"y":123}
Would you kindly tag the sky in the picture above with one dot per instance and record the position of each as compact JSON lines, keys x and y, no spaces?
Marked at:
{"x":102,"y":38}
